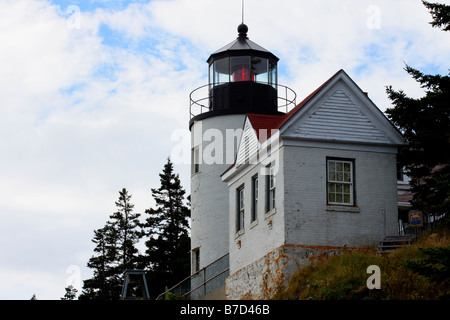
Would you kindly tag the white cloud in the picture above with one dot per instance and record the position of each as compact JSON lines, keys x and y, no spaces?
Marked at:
{"x":85,"y":112}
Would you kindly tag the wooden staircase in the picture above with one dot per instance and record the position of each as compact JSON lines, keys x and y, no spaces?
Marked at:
{"x":392,"y":243}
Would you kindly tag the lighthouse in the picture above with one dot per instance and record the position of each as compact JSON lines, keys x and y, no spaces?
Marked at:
{"x":242,"y":80}
{"x":322,"y":181}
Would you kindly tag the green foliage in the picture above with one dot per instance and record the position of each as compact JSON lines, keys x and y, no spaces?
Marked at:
{"x":115,"y":251}
{"x":167,"y":241}
{"x":418,"y":272}
{"x":172,"y":296}
{"x":440,"y":14}
{"x":167,"y":227}
{"x":425,"y":123}
{"x":436,"y":265}
{"x":71,"y":293}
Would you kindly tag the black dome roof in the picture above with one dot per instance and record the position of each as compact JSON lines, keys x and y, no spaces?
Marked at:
{"x":242,"y":46}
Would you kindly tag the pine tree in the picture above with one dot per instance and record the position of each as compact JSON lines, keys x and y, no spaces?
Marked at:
{"x":105,"y":283}
{"x":127,"y":225}
{"x":115,"y":251}
{"x":168,"y":246}
{"x":71,"y":293}
{"x":440,"y":14}
{"x":425,"y":123}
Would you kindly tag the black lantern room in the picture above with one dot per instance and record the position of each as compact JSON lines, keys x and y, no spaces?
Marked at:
{"x":242,"y":79}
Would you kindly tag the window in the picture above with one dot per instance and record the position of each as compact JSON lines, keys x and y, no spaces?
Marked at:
{"x":254,"y":198}
{"x":270,"y":189}
{"x":195,"y":160}
{"x":240,"y":209}
{"x":240,"y":69}
{"x":340,"y":182}
{"x":400,"y":172}
{"x":195,"y":260}
{"x":273,"y":74}
{"x":260,"y":69}
{"x":221,"y":71}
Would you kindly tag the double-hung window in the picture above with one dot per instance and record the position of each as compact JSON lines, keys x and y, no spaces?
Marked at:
{"x":340,"y":184}
{"x":240,"y":209}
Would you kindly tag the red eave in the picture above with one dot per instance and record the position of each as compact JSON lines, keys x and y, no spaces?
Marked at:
{"x":263,"y":124}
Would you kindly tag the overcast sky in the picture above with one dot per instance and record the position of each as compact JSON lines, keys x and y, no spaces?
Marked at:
{"x":94,"y":96}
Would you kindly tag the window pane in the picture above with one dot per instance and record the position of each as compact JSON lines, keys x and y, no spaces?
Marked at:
{"x":331,"y":197}
{"x":347,"y":188}
{"x":347,"y":198}
{"x":272,"y":193}
{"x":259,"y":69}
{"x":240,"y":69}
{"x":332,"y":176}
{"x":211,"y":74}
{"x":273,"y":74}
{"x":347,"y":177}
{"x":347,"y":167}
{"x":331,"y":166}
{"x":221,"y":71}
{"x":332,"y":188}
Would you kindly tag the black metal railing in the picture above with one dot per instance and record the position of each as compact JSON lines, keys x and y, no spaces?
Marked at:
{"x":201,"y":283}
{"x":199,"y":99}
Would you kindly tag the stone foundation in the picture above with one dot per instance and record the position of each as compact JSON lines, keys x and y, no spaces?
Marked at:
{"x":261,"y":279}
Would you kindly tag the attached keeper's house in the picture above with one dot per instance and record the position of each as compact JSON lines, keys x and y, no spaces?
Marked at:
{"x":308,"y":183}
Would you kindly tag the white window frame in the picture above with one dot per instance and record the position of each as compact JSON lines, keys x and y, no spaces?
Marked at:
{"x":340,"y":182}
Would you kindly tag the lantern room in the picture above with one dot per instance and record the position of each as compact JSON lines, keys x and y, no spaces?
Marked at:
{"x":242,"y":79}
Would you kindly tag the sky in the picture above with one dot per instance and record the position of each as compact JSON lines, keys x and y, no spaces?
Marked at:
{"x":94,"y":97}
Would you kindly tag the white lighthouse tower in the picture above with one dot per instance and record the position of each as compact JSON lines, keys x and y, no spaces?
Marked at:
{"x":242,"y":80}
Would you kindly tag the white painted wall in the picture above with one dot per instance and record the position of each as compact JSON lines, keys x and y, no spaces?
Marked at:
{"x":302,"y":216}
{"x":267,"y":232}
{"x":209,"y":195}
{"x":309,"y":221}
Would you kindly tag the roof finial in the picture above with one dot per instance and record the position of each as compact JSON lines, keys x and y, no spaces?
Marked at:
{"x":242,"y":28}
{"x":242,"y":11}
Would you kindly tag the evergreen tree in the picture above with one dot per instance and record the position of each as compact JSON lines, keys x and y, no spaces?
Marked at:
{"x":105,"y":283}
{"x":168,"y":246}
{"x":425,"y":123}
{"x":440,"y":14}
{"x":128,"y":228}
{"x":115,"y":251}
{"x":71,"y":293}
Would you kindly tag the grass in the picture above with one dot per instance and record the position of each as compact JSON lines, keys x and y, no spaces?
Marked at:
{"x":417,"y":272}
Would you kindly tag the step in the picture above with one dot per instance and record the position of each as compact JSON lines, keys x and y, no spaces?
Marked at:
{"x":392,"y":243}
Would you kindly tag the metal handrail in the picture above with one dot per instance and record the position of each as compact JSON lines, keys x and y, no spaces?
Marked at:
{"x":288,"y":99}
{"x":206,"y":281}
{"x":194,"y":275}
